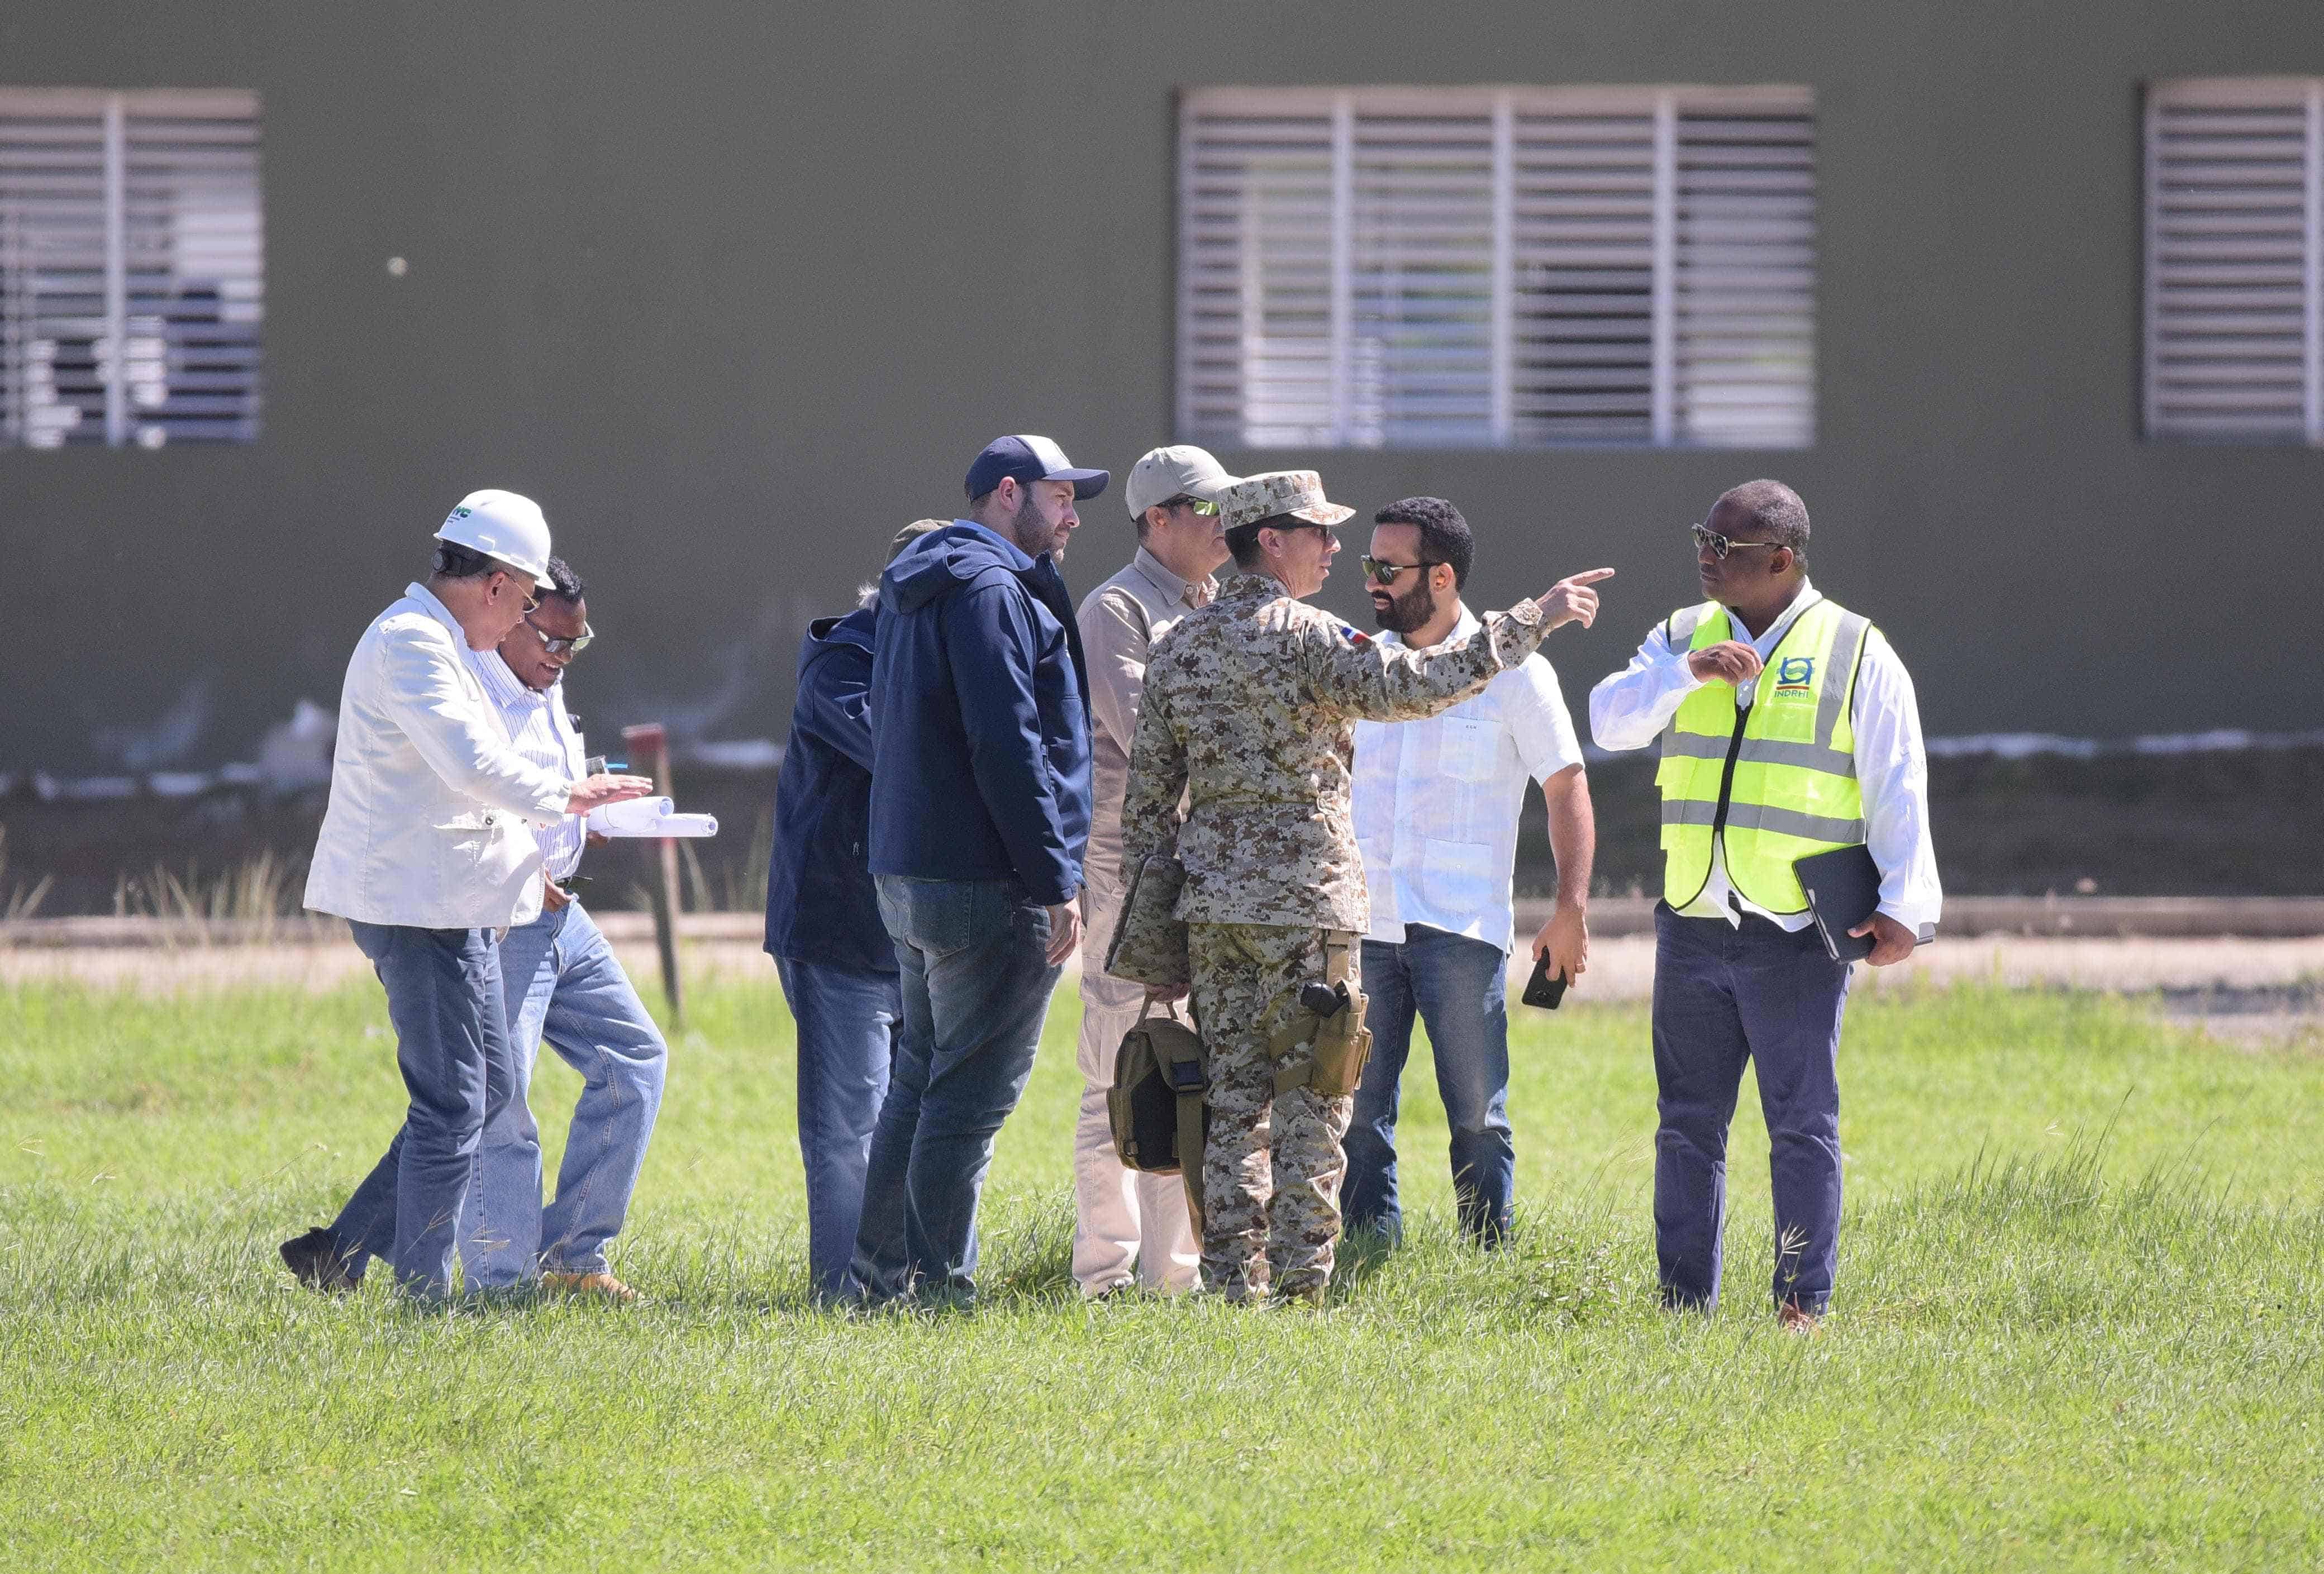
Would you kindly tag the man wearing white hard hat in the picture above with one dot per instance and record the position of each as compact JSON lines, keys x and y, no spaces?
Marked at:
{"x":1130,"y":1227}
{"x":427,"y":850}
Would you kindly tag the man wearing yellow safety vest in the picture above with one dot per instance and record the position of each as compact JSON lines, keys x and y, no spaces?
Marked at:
{"x":1788,"y":728}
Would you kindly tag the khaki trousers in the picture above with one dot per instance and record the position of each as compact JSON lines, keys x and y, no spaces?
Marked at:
{"x":1128,"y":1226}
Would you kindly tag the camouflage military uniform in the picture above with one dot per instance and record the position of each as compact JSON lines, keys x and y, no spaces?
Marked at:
{"x":1250,"y":707}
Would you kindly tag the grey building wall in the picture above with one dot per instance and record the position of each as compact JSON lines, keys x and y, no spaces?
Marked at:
{"x":734,"y":290}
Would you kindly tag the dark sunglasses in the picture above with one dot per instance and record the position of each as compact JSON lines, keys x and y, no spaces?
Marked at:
{"x":556,"y":647}
{"x":1381,"y":573}
{"x":1202,"y":506}
{"x":1721,"y":546}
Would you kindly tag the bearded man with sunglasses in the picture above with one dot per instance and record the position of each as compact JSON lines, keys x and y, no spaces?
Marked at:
{"x":427,"y":849}
{"x":1129,"y":1228}
{"x":1436,"y":807}
{"x":1788,"y":728}
{"x":1249,"y":716}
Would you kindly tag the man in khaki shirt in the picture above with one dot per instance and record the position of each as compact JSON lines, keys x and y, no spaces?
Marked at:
{"x":1130,"y":1227}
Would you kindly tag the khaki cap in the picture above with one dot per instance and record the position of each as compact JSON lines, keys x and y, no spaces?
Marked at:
{"x":911,"y":533}
{"x":1162,"y":474}
{"x":1296,"y":493}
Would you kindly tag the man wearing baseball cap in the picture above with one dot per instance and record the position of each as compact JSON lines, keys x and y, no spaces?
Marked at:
{"x":427,"y":850}
{"x":1130,"y":1227}
{"x":980,"y":808}
{"x":1250,"y":706}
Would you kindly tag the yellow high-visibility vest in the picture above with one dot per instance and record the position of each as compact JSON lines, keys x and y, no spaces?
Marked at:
{"x":1775,"y":780}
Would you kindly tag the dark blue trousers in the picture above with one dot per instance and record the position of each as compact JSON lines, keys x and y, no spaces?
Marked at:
{"x":1723,"y":996}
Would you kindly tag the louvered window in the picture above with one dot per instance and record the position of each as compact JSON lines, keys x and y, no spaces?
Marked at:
{"x":131,"y":283}
{"x":2234,"y":259}
{"x":1387,"y":267}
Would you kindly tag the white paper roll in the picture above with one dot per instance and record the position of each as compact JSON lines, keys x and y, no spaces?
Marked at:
{"x":630,"y":818}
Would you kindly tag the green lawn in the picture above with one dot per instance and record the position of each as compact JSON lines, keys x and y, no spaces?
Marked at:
{"x":2080,"y":1323}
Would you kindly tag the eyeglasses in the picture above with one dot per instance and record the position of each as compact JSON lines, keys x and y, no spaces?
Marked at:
{"x":532,"y":596}
{"x":1721,"y":546}
{"x":556,"y":647}
{"x":1381,"y":573}
{"x":1199,"y":505}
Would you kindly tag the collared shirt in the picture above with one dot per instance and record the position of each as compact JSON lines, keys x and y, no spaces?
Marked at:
{"x":1630,"y":708}
{"x":538,"y":730}
{"x":1437,"y":801}
{"x":1121,"y":620}
{"x":429,"y":822}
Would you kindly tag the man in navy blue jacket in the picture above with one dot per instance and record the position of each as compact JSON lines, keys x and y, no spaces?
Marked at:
{"x":980,"y":808}
{"x":833,"y":953}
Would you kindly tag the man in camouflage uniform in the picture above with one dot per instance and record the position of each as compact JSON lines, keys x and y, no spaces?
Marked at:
{"x":1250,"y":708}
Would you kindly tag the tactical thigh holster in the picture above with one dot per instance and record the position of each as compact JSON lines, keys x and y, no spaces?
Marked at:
{"x":1155,"y":1104}
{"x":1340,"y":1044}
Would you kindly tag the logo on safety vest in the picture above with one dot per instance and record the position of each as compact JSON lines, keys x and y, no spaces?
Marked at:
{"x":1796,"y":675}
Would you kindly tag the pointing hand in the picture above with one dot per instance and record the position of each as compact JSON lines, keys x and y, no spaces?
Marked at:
{"x":1572,"y":601}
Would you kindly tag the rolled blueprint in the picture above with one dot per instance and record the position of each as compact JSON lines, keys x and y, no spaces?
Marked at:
{"x":630,"y":818}
{"x":616,"y":824}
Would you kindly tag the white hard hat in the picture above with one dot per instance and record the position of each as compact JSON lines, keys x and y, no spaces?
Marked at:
{"x":503,"y":527}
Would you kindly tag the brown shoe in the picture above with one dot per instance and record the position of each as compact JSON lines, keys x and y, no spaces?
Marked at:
{"x":599,"y":1284}
{"x":1792,"y":1320}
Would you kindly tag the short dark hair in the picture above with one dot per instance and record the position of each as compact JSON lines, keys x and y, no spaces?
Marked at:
{"x":1776,"y":509}
{"x":454,"y":561}
{"x":1243,"y":539}
{"x":562,"y":584}
{"x":1445,"y":535}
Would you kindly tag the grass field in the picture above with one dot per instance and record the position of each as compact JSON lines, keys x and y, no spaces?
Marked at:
{"x":2078,"y":1326}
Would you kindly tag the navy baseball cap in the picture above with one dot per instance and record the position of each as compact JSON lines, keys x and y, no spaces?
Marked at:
{"x":1030,"y":458}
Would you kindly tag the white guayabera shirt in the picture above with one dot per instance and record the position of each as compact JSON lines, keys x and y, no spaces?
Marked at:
{"x":1437,"y":801}
{"x":540,"y":730}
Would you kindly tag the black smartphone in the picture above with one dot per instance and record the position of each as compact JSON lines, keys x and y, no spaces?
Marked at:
{"x":1541,"y":989}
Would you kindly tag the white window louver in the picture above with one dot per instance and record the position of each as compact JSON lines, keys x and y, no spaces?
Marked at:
{"x":131,"y":284}
{"x":2234,"y":259}
{"x":1396,"y":267}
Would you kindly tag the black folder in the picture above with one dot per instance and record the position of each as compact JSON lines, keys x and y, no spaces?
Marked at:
{"x":1843,"y":889}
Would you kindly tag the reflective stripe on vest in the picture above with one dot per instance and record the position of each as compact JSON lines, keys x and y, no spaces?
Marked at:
{"x":1771,"y":783}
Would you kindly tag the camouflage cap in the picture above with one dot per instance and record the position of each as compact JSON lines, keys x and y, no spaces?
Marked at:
{"x":1296,"y":493}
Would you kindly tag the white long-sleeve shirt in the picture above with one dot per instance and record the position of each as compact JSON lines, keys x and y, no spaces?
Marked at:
{"x":430,"y":817}
{"x":1630,"y":709}
{"x":540,"y":730}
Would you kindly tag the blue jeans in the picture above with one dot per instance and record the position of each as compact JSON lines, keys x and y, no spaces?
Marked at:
{"x":1458,"y":987}
{"x":1724,"y":996}
{"x":975,"y":986}
{"x":562,"y":980}
{"x":847,"y":1025}
{"x":444,"y":998}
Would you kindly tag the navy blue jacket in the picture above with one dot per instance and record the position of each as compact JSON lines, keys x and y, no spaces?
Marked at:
{"x":820,"y":905}
{"x":981,"y":733}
